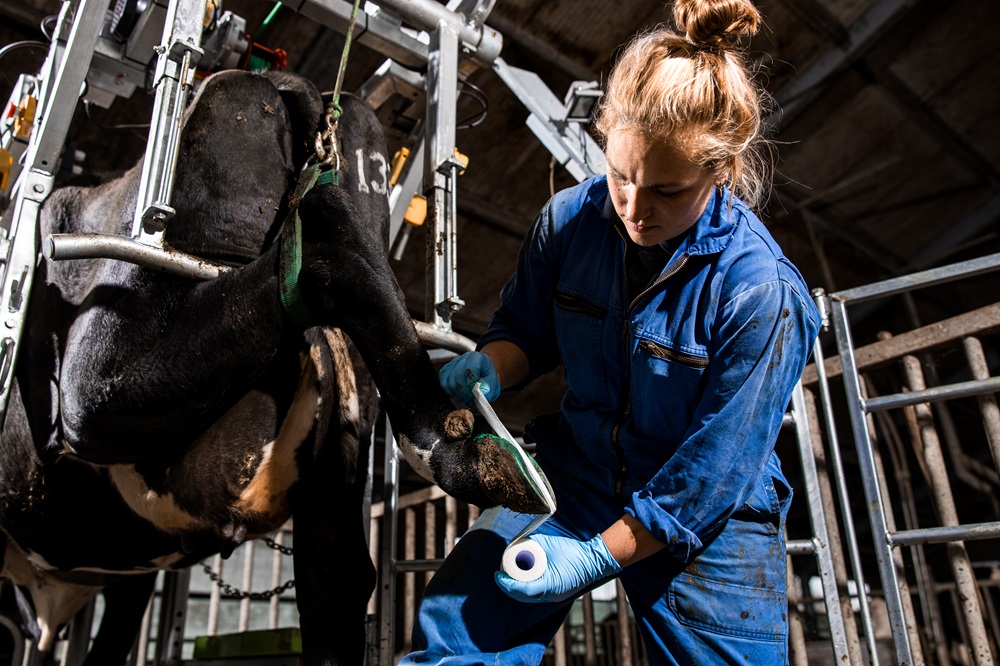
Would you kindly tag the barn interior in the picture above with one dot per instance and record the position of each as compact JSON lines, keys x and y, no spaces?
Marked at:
{"x":886,"y":195}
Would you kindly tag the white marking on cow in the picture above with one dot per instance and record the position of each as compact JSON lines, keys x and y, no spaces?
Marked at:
{"x":161,"y":510}
{"x":349,"y":406}
{"x":55,"y":601}
{"x":419,"y":459}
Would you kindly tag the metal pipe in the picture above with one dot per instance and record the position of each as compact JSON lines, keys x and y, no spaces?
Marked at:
{"x":428,"y":15}
{"x":433,"y":336}
{"x":904,"y":483}
{"x":892,"y":583}
{"x":967,"y":532}
{"x":944,"y":502}
{"x":409,"y":578}
{"x":106,"y":246}
{"x":800,"y":547}
{"x":388,"y":565}
{"x":274,"y":603}
{"x":624,"y":630}
{"x":796,"y":636}
{"x":906,"y":597}
{"x":247,"y":582}
{"x":987,"y":402}
{"x":836,"y":548}
{"x":817,"y":518}
{"x":948,"y":392}
{"x":843,"y":495}
{"x":214,"y":599}
{"x":589,"y":642}
{"x":926,"y":278}
{"x":450,"y":523}
{"x":430,"y":536}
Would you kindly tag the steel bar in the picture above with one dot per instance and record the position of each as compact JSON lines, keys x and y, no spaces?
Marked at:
{"x":909,"y":615}
{"x":928,"y":278}
{"x":948,"y":392}
{"x":93,"y":246}
{"x":800,"y":547}
{"x":835,"y":545}
{"x":387,"y":561}
{"x":624,"y":630}
{"x":247,"y":584}
{"x":64,"y":72}
{"x":817,"y":518}
{"x":430,"y":536}
{"x":843,"y":495}
{"x":440,"y":169}
{"x":404,"y":566}
{"x":987,"y":403}
{"x":796,"y":636}
{"x":929,"y":604}
{"x":178,"y":55}
{"x":379,"y":31}
{"x":274,"y":603}
{"x":214,"y":599}
{"x":891,"y":580}
{"x":967,"y":532}
{"x":409,"y":578}
{"x":429,"y":15}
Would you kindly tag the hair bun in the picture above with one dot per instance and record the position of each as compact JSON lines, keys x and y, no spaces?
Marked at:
{"x":716,"y":23}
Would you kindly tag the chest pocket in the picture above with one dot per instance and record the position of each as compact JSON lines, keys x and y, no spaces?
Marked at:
{"x":667,"y":383}
{"x":579,"y":325}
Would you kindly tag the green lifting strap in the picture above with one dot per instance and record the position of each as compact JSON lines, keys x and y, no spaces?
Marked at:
{"x":312,"y":174}
{"x":291,"y":246}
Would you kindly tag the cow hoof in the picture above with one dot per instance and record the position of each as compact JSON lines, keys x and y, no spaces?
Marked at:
{"x":505,"y":478}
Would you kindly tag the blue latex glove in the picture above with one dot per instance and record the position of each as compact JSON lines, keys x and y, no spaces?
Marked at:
{"x":573,"y":566}
{"x":460,"y":374}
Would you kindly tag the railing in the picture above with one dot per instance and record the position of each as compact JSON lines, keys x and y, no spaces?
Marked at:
{"x":956,"y":621}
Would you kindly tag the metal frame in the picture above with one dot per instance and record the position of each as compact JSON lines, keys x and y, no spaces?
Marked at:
{"x":886,"y":538}
{"x":819,"y":544}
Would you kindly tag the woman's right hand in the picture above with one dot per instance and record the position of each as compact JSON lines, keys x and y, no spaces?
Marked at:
{"x":461,"y":373}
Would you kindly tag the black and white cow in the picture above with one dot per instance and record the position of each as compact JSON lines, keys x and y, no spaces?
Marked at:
{"x":156,"y":420}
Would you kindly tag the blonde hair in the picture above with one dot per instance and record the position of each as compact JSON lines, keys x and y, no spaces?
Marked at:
{"x":692,"y":85}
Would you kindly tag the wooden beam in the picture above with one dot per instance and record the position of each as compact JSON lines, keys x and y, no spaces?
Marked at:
{"x":975,"y":323}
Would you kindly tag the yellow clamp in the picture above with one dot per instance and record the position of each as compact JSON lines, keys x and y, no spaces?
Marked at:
{"x":24,"y":117}
{"x":416,"y":211}
{"x":6,"y":164}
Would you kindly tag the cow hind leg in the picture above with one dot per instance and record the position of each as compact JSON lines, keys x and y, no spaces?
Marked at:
{"x":124,"y":604}
{"x":334,"y":575}
{"x":347,"y":282}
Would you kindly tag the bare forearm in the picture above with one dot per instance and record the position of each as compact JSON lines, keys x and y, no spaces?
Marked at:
{"x":629,"y":541}
{"x":510,"y":361}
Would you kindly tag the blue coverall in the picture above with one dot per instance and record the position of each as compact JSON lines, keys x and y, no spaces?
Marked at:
{"x":673,"y":405}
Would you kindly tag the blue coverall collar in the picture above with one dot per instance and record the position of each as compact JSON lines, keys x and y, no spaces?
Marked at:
{"x":710,"y":234}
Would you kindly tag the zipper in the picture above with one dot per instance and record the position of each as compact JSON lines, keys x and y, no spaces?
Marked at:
{"x":569,"y":303}
{"x":668,"y":354}
{"x":619,"y":451}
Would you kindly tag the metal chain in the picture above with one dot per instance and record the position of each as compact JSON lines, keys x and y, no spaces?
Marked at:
{"x":274,"y":545}
{"x":231,"y":591}
{"x":327,"y":151}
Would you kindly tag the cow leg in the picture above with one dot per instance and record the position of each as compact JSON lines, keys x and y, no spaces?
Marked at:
{"x":125,"y":602}
{"x":347,"y":278}
{"x":334,"y":575}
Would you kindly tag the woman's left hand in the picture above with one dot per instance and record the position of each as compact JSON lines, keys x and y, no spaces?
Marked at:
{"x":572,"y":567}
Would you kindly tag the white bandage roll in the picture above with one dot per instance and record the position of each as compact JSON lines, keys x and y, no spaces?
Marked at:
{"x":524,"y":560}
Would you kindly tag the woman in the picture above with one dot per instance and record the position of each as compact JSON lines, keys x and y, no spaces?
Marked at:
{"x":682,"y":330}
